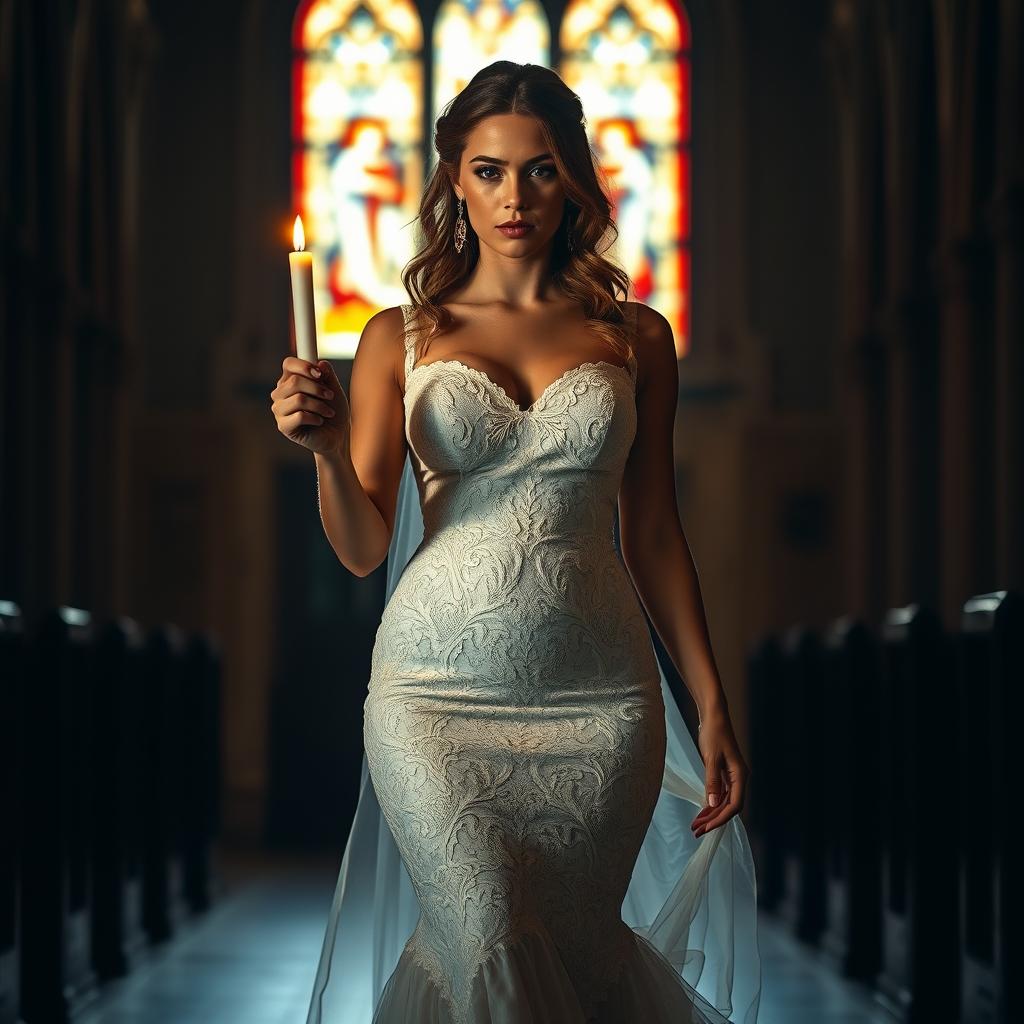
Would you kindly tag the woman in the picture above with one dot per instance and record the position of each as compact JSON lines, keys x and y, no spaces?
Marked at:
{"x":527,"y":756}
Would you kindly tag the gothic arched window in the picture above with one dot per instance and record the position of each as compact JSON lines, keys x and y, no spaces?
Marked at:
{"x":630,"y":64}
{"x":357,"y":154}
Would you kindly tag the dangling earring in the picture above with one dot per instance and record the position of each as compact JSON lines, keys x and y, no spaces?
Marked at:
{"x":569,"y":240}
{"x":460,"y":228}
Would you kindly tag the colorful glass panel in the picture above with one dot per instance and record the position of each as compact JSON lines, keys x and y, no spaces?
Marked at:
{"x":470,"y":34}
{"x":357,"y":155}
{"x":630,"y":64}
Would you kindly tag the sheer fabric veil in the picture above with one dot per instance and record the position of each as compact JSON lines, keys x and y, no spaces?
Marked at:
{"x":694,"y":899}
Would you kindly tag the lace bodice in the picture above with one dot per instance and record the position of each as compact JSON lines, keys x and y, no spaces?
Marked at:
{"x":468,"y":438}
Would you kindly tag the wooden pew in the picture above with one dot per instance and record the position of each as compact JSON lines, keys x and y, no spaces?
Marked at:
{"x":806,"y":785}
{"x":991,"y":677}
{"x":922,"y":819}
{"x":118,"y":939}
{"x":163,"y":901}
{"x":201,"y":769}
{"x":110,"y":753}
{"x":56,"y":972}
{"x":12,"y":672}
{"x":853,"y":936}
{"x":767,"y":782}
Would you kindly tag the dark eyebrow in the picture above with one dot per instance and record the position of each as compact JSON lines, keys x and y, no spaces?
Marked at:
{"x":495,"y":160}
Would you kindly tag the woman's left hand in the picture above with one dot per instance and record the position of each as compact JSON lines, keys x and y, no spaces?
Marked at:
{"x":726,"y":773}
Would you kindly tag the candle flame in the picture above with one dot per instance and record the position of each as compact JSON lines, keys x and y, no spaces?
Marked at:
{"x":298,"y":235}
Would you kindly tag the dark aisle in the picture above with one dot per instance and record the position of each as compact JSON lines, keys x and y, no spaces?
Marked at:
{"x":253,"y":957}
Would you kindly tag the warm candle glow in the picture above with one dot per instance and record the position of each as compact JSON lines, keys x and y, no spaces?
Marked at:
{"x":298,"y":235}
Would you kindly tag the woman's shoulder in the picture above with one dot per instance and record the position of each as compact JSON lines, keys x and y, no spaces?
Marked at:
{"x":384,"y":334}
{"x":386,"y":324}
{"x":654,"y":347}
{"x":387,"y":317}
{"x":652,"y":327}
{"x":644,"y":316}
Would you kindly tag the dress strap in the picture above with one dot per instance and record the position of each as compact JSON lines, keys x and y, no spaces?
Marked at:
{"x":410,"y":344}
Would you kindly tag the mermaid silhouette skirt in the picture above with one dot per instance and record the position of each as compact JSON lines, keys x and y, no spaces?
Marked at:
{"x":518,"y":768}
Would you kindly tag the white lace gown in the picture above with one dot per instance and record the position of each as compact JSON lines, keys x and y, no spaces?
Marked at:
{"x":514,"y":728}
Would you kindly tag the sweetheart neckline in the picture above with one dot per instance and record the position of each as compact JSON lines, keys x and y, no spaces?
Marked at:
{"x":504,"y":395}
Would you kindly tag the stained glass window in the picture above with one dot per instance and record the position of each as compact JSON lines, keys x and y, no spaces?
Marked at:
{"x":357,"y":155}
{"x":470,"y":34}
{"x":630,"y":64}
{"x":358,"y":149}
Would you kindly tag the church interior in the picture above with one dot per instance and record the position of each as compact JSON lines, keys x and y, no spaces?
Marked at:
{"x":825,"y":198}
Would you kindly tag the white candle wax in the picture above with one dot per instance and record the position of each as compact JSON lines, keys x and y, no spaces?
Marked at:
{"x":300,"y":264}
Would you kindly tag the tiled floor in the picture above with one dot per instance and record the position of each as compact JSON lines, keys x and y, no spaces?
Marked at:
{"x":252,"y":960}
{"x":799,"y":987}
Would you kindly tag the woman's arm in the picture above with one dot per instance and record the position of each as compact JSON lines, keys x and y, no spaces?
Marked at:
{"x":657,"y":555}
{"x":358,"y":483}
{"x":654,"y":546}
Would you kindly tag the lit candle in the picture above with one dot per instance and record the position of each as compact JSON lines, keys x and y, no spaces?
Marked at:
{"x":300,"y":263}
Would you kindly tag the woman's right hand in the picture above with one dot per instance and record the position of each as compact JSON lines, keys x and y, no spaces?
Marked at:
{"x":311,"y":412}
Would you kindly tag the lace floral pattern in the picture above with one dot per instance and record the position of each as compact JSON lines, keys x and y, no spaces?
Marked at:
{"x":514,"y":726}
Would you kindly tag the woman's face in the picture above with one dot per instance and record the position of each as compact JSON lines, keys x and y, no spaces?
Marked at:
{"x":507,"y":174}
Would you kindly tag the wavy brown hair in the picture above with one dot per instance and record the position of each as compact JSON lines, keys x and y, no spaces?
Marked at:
{"x":437,"y":270}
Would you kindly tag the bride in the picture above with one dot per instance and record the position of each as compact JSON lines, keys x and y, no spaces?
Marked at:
{"x":538,"y":838}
